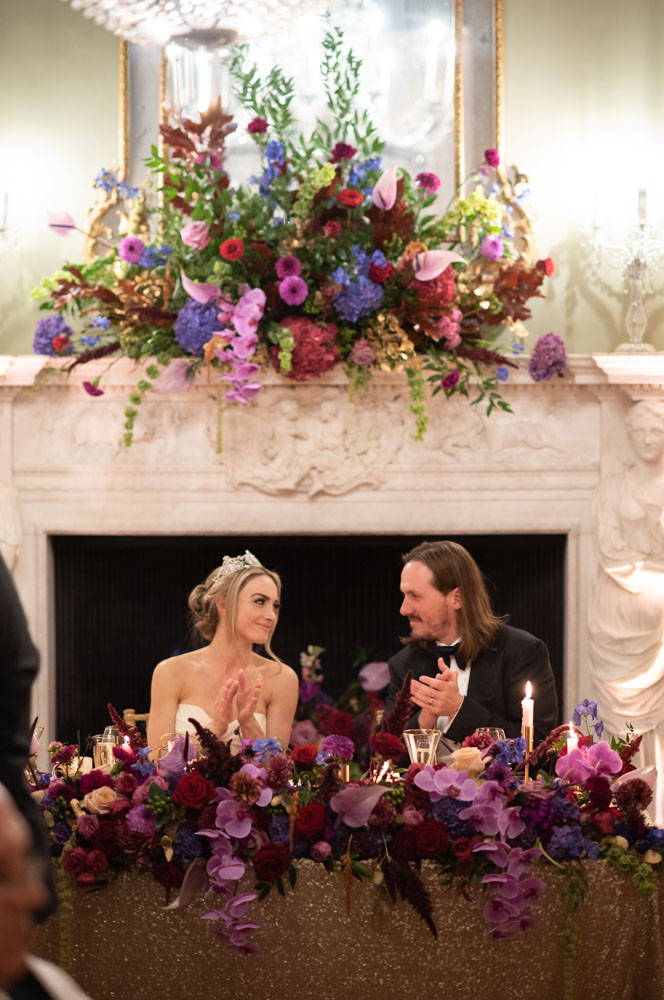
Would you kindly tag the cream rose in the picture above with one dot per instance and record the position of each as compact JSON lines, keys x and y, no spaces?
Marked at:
{"x":468,"y":759}
{"x":99,"y":800}
{"x":652,"y":857}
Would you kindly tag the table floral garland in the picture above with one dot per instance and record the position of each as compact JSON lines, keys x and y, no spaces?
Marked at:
{"x":201,"y":821}
{"x":328,"y":256}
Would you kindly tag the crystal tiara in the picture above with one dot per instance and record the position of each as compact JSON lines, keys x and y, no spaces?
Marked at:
{"x":233,"y":564}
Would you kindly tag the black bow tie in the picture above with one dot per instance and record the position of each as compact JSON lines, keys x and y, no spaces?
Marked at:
{"x":447,"y":652}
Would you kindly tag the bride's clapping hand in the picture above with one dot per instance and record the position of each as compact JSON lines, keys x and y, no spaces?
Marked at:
{"x":247,"y":698}
{"x":223,"y":707}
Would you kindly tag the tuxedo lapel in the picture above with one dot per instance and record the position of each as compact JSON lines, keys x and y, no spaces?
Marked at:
{"x":485,"y":677}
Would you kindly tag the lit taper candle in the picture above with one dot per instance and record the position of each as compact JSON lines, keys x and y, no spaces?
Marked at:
{"x":527,"y":708}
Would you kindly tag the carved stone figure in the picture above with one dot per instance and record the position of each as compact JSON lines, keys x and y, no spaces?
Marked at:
{"x":627,"y":602}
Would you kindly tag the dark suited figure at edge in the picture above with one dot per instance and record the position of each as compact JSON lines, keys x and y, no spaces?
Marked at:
{"x":469,"y":668}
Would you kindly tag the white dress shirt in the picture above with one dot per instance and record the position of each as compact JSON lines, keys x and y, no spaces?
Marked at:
{"x":443,"y":722}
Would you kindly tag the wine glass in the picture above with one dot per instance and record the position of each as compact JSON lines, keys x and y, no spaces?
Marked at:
{"x":493,"y":732}
{"x":422,"y":745}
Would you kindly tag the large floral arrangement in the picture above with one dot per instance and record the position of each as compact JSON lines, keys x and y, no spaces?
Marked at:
{"x":234,"y":824}
{"x":328,"y":256}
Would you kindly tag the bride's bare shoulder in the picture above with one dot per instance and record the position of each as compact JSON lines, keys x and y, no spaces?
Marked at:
{"x":174,"y":666}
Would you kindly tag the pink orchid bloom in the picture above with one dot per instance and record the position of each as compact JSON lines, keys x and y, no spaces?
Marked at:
{"x":61,"y":223}
{"x":225,"y":868}
{"x":244,"y":345}
{"x":499,"y":911}
{"x":248,"y":311}
{"x":497,"y":851}
{"x":508,"y":886}
{"x":510,"y":823}
{"x":572,"y":767}
{"x":519,"y":860}
{"x":385,"y":189}
{"x":483,"y":816}
{"x":430,"y":263}
{"x":355,"y":804}
{"x":241,"y":370}
{"x":604,"y":759}
{"x":238,"y":905}
{"x":446,"y":781}
{"x":233,"y":818}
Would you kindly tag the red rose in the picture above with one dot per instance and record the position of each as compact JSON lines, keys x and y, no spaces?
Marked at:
{"x":305,"y":756}
{"x":380,"y":273}
{"x":388,"y":745}
{"x":271,"y":862}
{"x":331,"y":228}
{"x":193,"y":791}
{"x":60,"y":342}
{"x":85,"y":878}
{"x":342,"y":151}
{"x":97,"y":862}
{"x":546,"y":266}
{"x":232,"y":249}
{"x":104,"y":839}
{"x":350,"y":198}
{"x":463,"y":848}
{"x":126,"y":784}
{"x":430,"y":838}
{"x":310,"y":819}
{"x":331,"y":720}
{"x":76,"y":860}
{"x":257,"y":125}
{"x":168,"y":873}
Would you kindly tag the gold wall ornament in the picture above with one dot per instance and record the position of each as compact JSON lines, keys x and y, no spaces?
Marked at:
{"x":459,"y":124}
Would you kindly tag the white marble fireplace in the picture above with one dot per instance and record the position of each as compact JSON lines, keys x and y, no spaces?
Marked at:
{"x":305,"y":459}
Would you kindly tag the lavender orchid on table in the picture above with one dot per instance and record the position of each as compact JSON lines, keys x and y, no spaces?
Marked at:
{"x":327,"y":256}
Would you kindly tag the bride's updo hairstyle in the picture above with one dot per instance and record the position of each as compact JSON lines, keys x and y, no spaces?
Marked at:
{"x":226,"y":581}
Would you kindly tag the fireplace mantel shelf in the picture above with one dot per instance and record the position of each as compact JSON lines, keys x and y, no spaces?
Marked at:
{"x":22,"y":371}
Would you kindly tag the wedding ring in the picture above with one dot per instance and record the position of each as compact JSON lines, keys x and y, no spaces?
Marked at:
{"x":431,"y":701}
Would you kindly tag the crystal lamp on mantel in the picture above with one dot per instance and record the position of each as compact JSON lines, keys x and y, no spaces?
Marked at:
{"x":640,"y":254}
{"x":205,"y":23}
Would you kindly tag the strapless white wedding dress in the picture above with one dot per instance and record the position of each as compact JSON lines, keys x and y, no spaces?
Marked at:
{"x":186,"y":711}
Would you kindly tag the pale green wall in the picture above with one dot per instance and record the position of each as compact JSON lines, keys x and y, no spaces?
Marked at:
{"x":58,"y":126}
{"x":584,"y":118}
{"x":584,"y":81}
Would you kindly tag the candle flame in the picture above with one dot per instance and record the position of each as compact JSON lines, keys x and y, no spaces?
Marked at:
{"x":529,"y":689}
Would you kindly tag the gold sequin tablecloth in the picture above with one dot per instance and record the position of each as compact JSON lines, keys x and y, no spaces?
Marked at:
{"x":125,"y":945}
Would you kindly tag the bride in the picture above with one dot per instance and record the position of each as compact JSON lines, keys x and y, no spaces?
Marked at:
{"x":225,"y":685}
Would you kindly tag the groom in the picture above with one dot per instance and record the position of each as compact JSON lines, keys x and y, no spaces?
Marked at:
{"x":469,"y":668}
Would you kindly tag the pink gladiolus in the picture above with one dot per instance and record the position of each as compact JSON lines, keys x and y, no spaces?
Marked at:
{"x":61,"y":223}
{"x":429,"y":264}
{"x":385,"y":189}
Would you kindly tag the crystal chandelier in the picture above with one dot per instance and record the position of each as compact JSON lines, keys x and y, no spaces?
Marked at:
{"x":194,"y":23}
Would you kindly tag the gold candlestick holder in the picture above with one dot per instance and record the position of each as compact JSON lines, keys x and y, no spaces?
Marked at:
{"x":527,"y":734}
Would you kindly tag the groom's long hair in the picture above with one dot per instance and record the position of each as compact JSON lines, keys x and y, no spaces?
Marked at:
{"x":453,"y":566}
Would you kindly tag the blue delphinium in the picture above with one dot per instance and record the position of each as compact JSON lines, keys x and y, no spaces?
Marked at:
{"x":155,"y":256}
{"x":46,"y":330}
{"x":106,"y":180}
{"x":264,"y":749}
{"x":195,"y":325}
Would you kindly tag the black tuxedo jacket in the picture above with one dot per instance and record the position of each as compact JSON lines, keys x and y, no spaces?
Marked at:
{"x":497,"y":684}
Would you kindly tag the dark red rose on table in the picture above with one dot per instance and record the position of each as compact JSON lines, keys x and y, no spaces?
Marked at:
{"x":271,"y":862}
{"x":104,"y":839}
{"x":76,"y":860}
{"x":97,"y":862}
{"x":310,"y":819}
{"x":193,"y":791}
{"x":332,"y":720}
{"x":305,"y":756}
{"x":430,"y":838}
{"x":463,"y":849}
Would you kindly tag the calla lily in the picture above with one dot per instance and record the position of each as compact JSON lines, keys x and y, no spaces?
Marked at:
{"x":199,"y":291}
{"x":647,"y":774}
{"x":61,"y":223}
{"x":430,"y":263}
{"x":385,"y":189}
{"x":355,"y":804}
{"x":175,"y":378}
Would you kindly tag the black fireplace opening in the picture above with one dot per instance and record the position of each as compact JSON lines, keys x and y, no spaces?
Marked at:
{"x":121,"y":605}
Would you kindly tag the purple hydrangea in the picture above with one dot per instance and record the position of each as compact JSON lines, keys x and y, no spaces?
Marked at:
{"x":46,"y":330}
{"x":446,"y":811}
{"x":279,"y":829}
{"x":195,"y":325}
{"x":187,"y":843}
{"x":548,"y":358}
{"x":358,"y":298}
{"x":569,"y":842}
